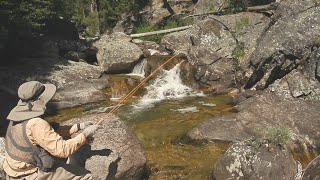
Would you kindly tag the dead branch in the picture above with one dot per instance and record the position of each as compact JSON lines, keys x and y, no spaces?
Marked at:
{"x":160,"y":31}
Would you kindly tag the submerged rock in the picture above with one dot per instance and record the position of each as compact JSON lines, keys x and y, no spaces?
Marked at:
{"x":115,"y":152}
{"x":313,"y":170}
{"x":243,"y":161}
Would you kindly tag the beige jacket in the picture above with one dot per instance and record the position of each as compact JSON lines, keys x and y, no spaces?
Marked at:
{"x":41,"y":133}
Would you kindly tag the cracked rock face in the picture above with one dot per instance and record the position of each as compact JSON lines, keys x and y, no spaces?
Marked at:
{"x":243,"y":161}
{"x":211,"y":46}
{"x":290,"y":44}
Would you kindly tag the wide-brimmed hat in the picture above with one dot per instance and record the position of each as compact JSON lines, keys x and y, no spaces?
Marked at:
{"x":33,"y":99}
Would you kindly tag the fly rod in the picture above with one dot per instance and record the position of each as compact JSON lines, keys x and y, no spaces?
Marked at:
{"x":136,"y":88}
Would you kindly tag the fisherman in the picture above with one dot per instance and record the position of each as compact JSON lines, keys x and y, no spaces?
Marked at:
{"x":33,"y":146}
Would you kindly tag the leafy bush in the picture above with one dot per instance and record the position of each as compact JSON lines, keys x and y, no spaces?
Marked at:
{"x":212,"y":8}
{"x":274,"y":135}
{"x":92,"y":23}
{"x":238,"y":52}
{"x":243,"y":23}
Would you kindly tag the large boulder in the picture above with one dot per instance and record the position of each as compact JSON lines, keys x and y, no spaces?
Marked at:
{"x":244,"y":161}
{"x":262,"y":112}
{"x":77,"y":82}
{"x":115,"y":152}
{"x":219,"y":49}
{"x":289,"y":43}
{"x":312,"y":170}
{"x":117,"y":54}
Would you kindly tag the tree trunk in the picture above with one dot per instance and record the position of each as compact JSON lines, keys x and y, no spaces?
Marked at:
{"x":160,"y":31}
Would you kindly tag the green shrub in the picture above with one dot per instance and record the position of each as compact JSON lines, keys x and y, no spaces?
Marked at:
{"x":278,"y":134}
{"x":212,"y":8}
{"x":92,"y":24}
{"x":243,"y":23}
{"x":273,"y":135}
{"x":238,"y":52}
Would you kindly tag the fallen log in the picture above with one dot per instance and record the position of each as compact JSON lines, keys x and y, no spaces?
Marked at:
{"x":160,"y":31}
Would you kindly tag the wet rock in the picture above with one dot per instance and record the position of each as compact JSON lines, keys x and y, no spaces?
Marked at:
{"x":244,"y":96}
{"x":2,"y":155}
{"x":116,"y":54}
{"x":115,"y":152}
{"x":219,"y":129}
{"x":260,"y":112}
{"x":312,"y":170}
{"x":278,"y":53}
{"x":243,"y":161}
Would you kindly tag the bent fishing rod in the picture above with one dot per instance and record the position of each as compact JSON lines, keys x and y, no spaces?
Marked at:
{"x":124,"y":99}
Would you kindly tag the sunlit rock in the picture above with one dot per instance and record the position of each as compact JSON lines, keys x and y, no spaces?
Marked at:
{"x":115,"y":152}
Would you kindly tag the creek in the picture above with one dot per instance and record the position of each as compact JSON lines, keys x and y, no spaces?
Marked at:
{"x":160,"y":114}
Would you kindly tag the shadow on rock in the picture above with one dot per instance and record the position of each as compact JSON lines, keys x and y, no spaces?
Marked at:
{"x":113,"y":168}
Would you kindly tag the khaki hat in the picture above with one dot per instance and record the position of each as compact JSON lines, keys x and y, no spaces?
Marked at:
{"x":33,"y":99}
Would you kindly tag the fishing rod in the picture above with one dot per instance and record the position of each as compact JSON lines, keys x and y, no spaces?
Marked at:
{"x":136,"y":88}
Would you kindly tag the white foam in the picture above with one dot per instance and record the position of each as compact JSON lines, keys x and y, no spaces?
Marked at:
{"x":187,"y":110}
{"x":167,"y":85}
{"x":138,"y":70}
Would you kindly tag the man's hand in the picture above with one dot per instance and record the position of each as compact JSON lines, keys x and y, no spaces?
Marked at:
{"x":83,"y":125}
{"x":90,"y":130}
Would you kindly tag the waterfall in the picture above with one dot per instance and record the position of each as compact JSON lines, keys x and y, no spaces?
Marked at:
{"x":167,"y":85}
{"x":138,"y":70}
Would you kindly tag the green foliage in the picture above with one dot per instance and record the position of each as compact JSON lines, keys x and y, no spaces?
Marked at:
{"x":274,"y":135}
{"x":92,"y":23}
{"x":34,"y":15}
{"x":212,"y":8}
{"x":243,"y":23}
{"x":237,"y":5}
{"x":238,"y":52}
{"x":144,"y":27}
{"x":31,"y":14}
